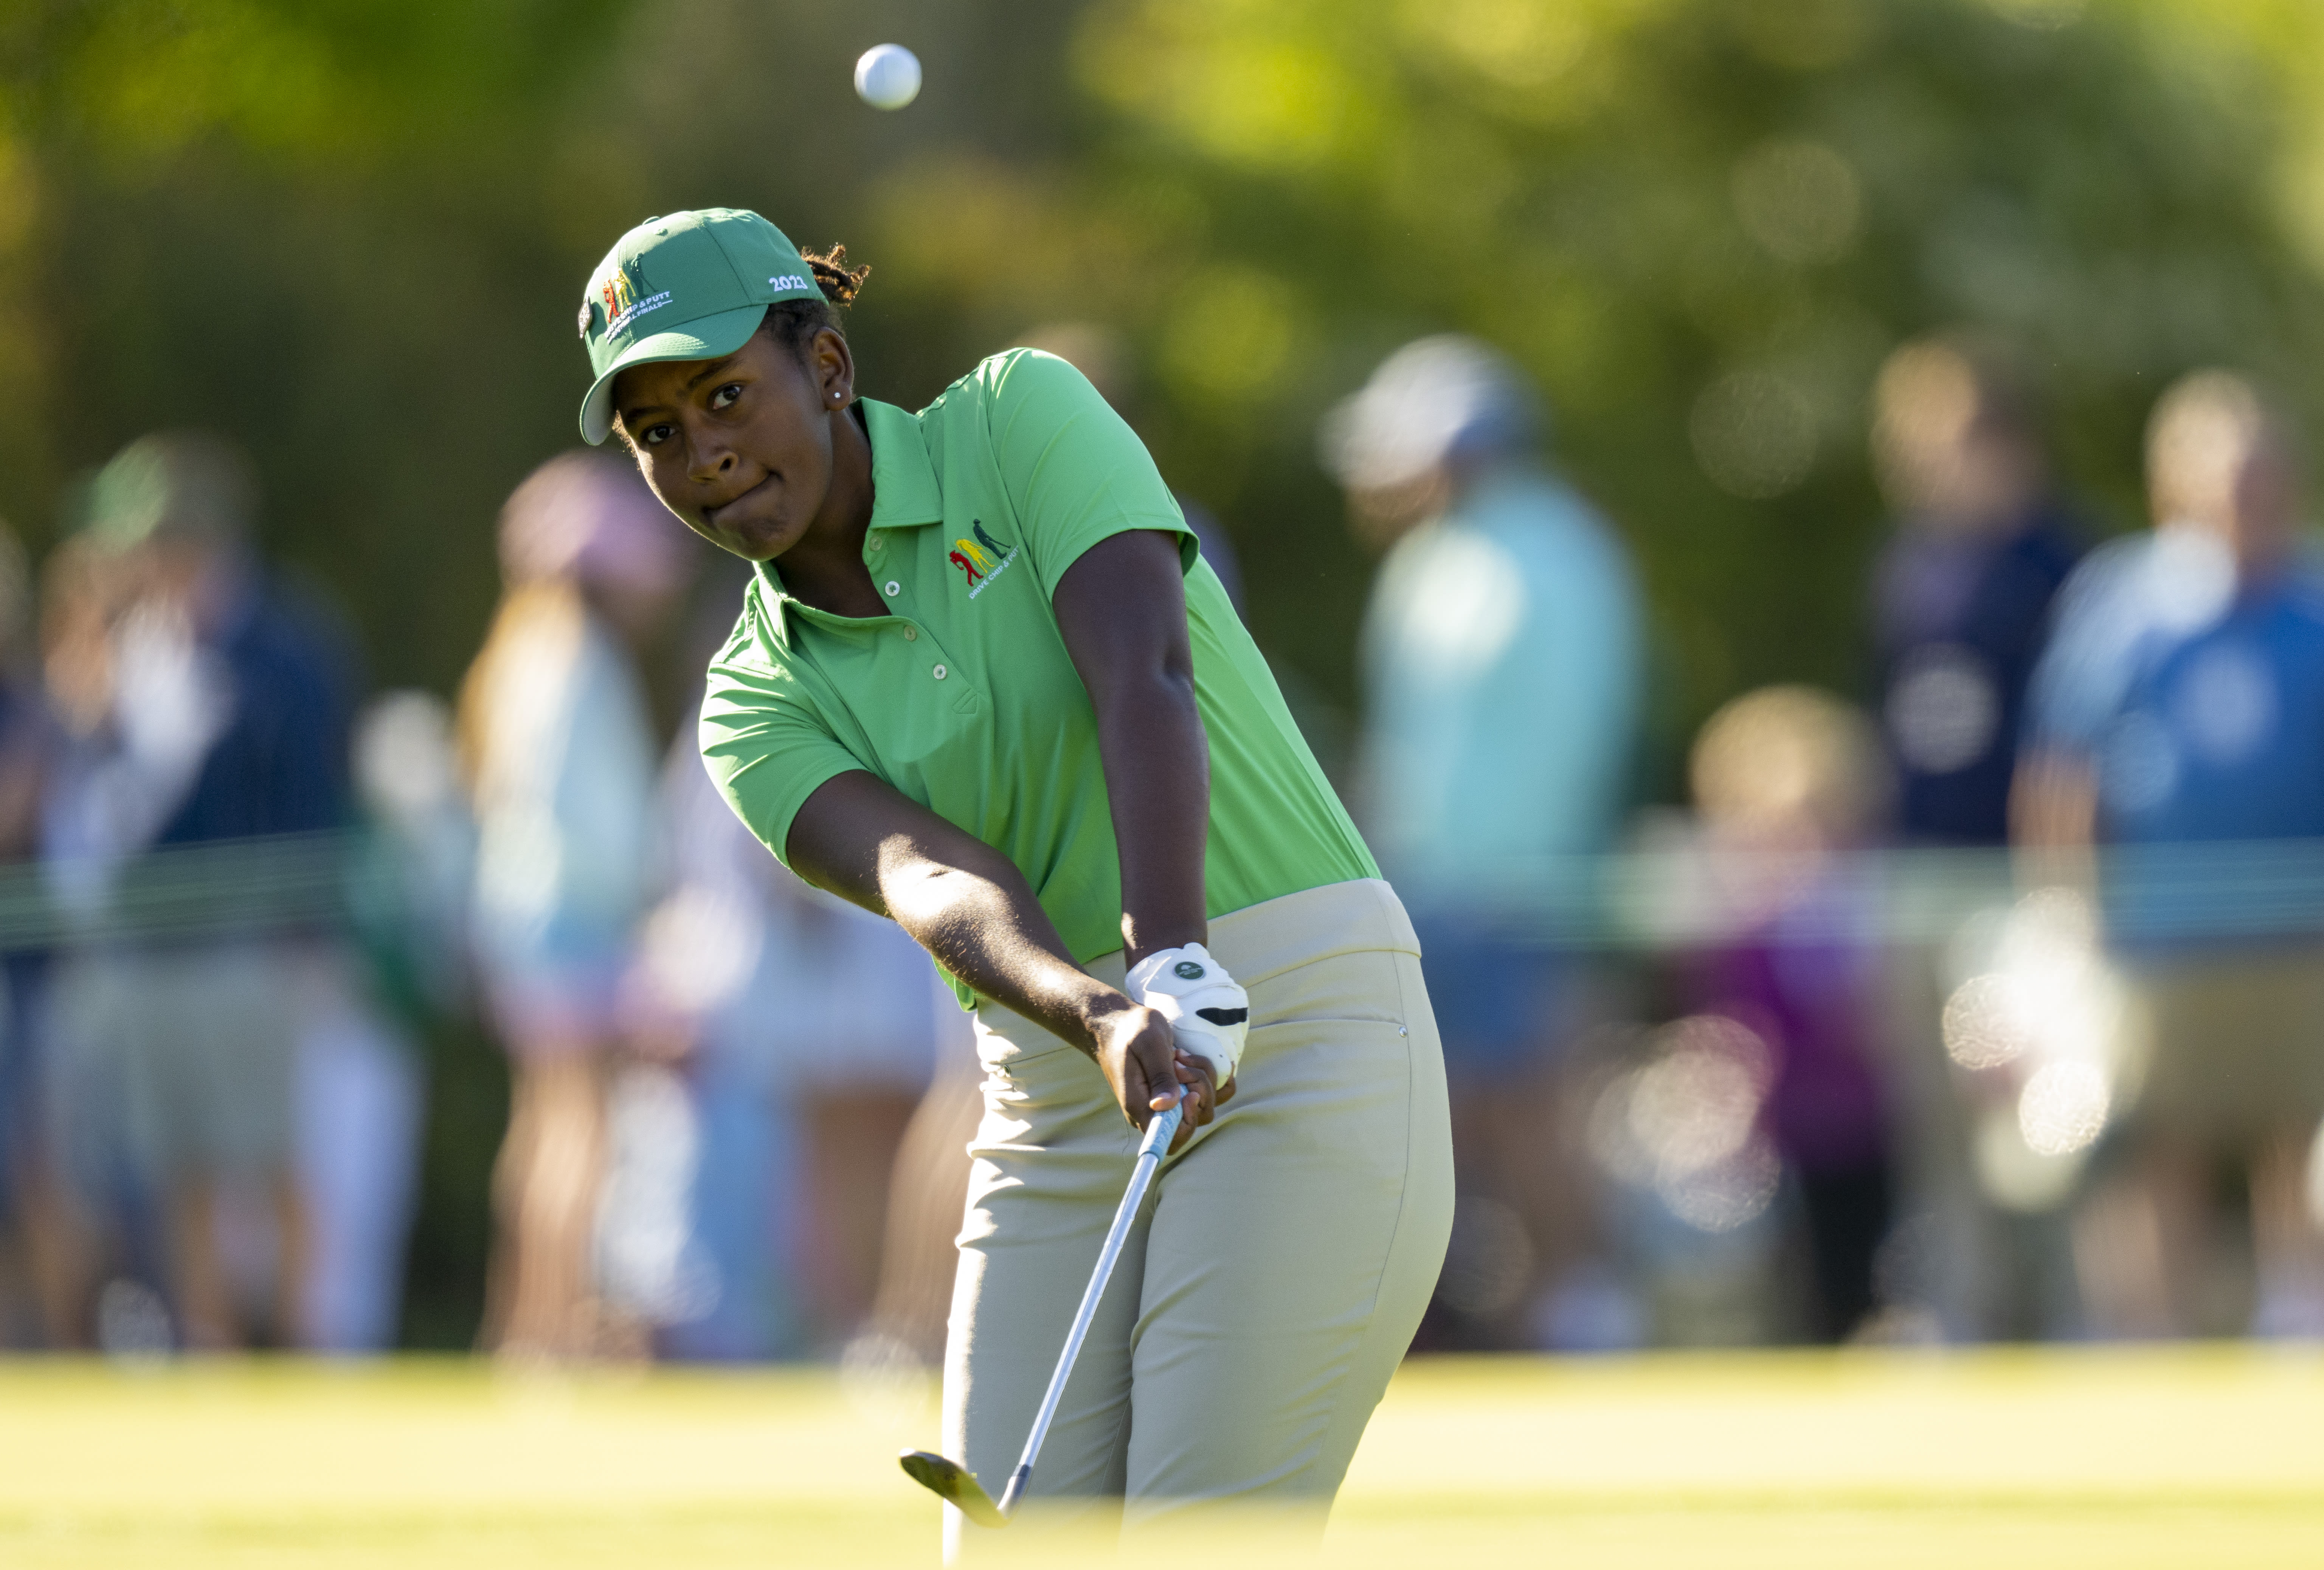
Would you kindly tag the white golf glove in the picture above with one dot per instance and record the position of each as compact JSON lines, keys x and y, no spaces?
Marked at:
{"x":1208,"y":1014}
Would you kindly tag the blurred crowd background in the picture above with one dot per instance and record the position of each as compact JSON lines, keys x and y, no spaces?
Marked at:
{"x":1788,"y":521}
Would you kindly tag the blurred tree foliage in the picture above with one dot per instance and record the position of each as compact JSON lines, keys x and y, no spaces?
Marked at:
{"x":1701,"y":223}
{"x":351,"y":234}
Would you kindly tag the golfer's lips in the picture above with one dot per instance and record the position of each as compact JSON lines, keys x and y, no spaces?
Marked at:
{"x":715,"y":516}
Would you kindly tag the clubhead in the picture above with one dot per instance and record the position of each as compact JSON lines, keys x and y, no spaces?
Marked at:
{"x":949,"y":1480}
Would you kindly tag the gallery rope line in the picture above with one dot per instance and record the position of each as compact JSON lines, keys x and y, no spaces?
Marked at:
{"x":1636,"y":900}
{"x":235,"y":887}
{"x":1660,"y":899}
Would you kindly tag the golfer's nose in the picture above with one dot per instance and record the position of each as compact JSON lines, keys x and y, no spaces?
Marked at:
{"x":713,"y":461}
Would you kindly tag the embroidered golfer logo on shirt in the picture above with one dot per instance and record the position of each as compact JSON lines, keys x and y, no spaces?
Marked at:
{"x":981,"y":559}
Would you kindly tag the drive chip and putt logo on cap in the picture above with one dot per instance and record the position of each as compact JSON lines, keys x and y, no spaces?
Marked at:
{"x":691,"y":286}
{"x":623,"y":304}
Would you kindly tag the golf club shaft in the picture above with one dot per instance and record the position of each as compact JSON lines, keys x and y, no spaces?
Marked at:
{"x":1158,"y":1132}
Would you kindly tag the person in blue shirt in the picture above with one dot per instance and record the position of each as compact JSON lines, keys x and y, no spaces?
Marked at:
{"x":1502,"y":673}
{"x":2181,"y":705}
{"x":221,"y":718}
{"x":1961,"y":595}
{"x":1959,"y":603}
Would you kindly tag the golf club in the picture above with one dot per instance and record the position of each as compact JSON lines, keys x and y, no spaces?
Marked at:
{"x":948,"y":1479}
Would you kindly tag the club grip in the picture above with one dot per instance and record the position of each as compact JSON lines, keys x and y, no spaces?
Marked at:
{"x":1162,"y":1126}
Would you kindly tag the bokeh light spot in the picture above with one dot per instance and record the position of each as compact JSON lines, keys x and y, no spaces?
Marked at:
{"x":1802,"y":35}
{"x":1984,"y":1022}
{"x":2042,"y":15}
{"x":1521,"y":42}
{"x":2063,"y":1108}
{"x":1943,"y":709}
{"x":1799,"y":199}
{"x":1755,"y":435}
{"x":1231,"y":335}
{"x":1686,"y":1125}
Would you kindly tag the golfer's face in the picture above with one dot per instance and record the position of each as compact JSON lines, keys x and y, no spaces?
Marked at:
{"x":740,"y":449}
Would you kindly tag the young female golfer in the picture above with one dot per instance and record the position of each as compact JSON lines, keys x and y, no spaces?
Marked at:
{"x":983,"y":683}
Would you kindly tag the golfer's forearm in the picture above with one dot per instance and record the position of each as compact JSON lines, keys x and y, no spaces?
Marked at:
{"x":963,"y":900}
{"x":984,"y":925}
{"x":1157,"y":780}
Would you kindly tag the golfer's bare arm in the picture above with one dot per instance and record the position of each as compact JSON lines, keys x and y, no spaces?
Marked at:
{"x":969,"y":905}
{"x":964,"y":901}
{"x":1122,"y":609}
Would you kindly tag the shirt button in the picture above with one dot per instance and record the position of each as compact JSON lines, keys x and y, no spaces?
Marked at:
{"x":911,"y":634}
{"x":878,"y":543}
{"x":892,"y":587}
{"x":940,"y":673}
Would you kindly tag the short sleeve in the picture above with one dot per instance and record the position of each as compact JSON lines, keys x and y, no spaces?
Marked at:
{"x":766,"y":749}
{"x":2089,"y":660}
{"x":1073,"y":469}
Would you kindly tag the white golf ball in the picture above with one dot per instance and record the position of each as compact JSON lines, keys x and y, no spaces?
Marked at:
{"x":888,"y":77}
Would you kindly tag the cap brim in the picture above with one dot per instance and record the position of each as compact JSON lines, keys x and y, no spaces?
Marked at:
{"x":706,"y":337}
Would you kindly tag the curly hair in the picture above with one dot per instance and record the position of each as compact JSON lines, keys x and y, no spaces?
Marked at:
{"x":793,"y":322}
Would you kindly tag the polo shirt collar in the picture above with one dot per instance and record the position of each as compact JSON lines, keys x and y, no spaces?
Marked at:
{"x":905,"y":494}
{"x":904,"y":489}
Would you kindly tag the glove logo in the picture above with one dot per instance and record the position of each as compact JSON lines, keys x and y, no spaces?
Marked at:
{"x":1209,"y":1014}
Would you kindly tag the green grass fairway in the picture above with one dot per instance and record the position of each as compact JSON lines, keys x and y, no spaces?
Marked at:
{"x":2204,"y":1456}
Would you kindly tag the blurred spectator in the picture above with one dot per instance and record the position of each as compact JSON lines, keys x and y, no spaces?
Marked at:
{"x":805,"y":1030}
{"x":207,"y":706}
{"x":1784,"y":777}
{"x":360,"y":1079}
{"x":29,"y":1220}
{"x":1961,"y":602}
{"x":809,"y":1028}
{"x":927,"y":1197}
{"x":65,"y":1186}
{"x":1501,"y":662}
{"x":2180,"y":703}
{"x":560,"y":755}
{"x":1963,"y":589}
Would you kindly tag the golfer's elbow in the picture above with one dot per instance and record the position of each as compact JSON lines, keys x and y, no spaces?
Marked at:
{"x":924,"y":891}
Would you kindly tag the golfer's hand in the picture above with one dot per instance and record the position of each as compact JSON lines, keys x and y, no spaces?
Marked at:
{"x":1137,"y":1050}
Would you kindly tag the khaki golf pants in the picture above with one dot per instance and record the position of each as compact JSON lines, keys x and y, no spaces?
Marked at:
{"x":1278,"y":1270}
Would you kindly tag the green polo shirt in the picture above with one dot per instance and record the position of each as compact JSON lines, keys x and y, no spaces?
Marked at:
{"x":963,"y":699}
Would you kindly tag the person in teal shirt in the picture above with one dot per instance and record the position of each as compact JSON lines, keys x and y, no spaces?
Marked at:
{"x":985,"y":685}
{"x":1501,"y":663}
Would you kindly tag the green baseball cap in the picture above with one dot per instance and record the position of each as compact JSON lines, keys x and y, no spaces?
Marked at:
{"x":691,"y":286}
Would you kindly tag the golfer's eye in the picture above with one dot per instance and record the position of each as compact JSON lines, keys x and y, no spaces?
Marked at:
{"x":726,"y":395}
{"x":657,"y":434}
